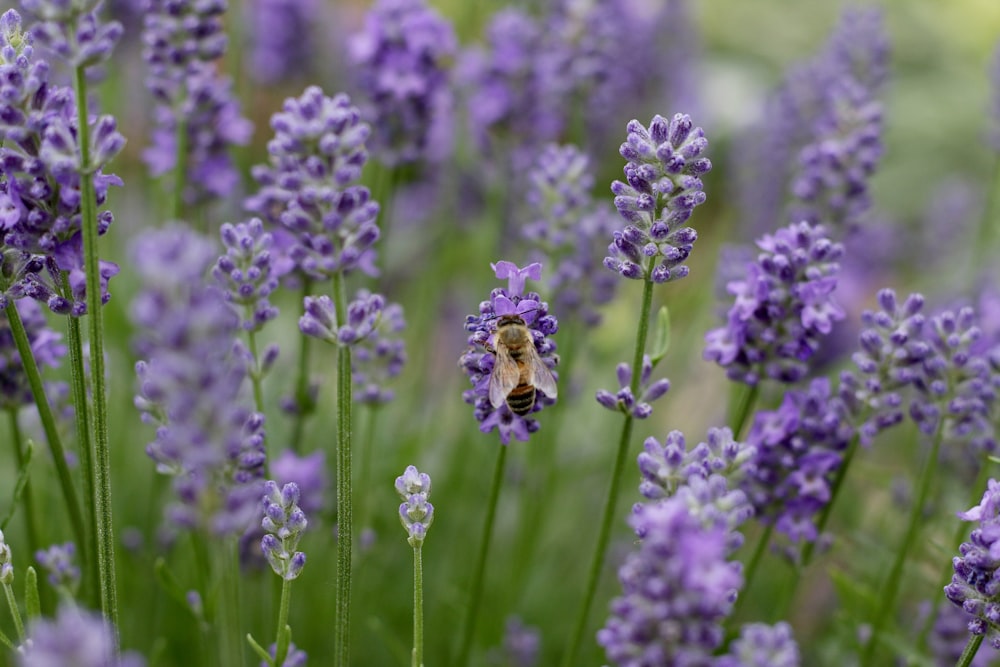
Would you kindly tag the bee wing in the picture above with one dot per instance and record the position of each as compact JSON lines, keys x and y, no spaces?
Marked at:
{"x":541,"y":376}
{"x":504,"y":377}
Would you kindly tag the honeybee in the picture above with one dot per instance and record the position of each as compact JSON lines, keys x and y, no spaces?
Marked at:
{"x":518,"y":370}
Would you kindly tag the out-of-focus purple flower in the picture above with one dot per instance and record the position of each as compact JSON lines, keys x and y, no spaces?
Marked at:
{"x":379,"y":358}
{"x":782,"y":310}
{"x":666,"y":467}
{"x":74,"y":637}
{"x":401,"y":62}
{"x":308,"y":473}
{"x":73,"y":31}
{"x":46,"y":347}
{"x":974,"y":586}
{"x":520,"y":647}
{"x":677,"y":589}
{"x":363,"y":315}
{"x":415,"y":513}
{"x":624,"y":401}
{"x":40,"y":178}
{"x":479,"y":359}
{"x":661,"y":189}
{"x":761,"y":645}
{"x":569,"y":228}
{"x":284,"y":522}
{"x":58,"y":563}
{"x":799,"y":449}
{"x":282,"y":40}
{"x":950,"y":634}
{"x":310,"y":186}
{"x":246,"y":272}
{"x":182,"y":40}
{"x":296,"y":657}
{"x":189,"y":385}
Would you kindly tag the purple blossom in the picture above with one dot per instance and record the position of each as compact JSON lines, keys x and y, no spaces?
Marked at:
{"x":282,"y":42}
{"x":363,"y":315}
{"x":416,"y":514}
{"x":479,"y":359}
{"x":568,"y":227}
{"x":308,"y":473}
{"x":625,"y":401}
{"x":379,"y":357}
{"x":399,"y":59}
{"x":761,"y":645}
{"x":182,"y":40}
{"x":248,"y":273}
{"x":296,"y":657}
{"x":309,"y":187}
{"x":284,"y":522}
{"x":661,"y":189}
{"x":190,"y":382}
{"x":950,"y":634}
{"x":46,"y":347}
{"x":73,"y":32}
{"x":521,"y":644}
{"x":57,"y":561}
{"x":799,"y":449}
{"x":782,"y":310}
{"x":74,"y":637}
{"x":667,"y":467}
{"x":975,"y":586}
{"x":677,"y":588}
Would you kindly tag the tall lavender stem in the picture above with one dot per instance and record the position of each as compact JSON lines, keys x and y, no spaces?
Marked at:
{"x":345,"y":525}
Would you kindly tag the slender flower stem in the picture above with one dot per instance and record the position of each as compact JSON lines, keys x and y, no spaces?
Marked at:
{"x":611,"y":501}
{"x":12,"y":603}
{"x":17,"y":440}
{"x":227,"y":623}
{"x":742,"y":407}
{"x":255,"y":381}
{"x":891,"y":588}
{"x":304,"y":404}
{"x":751,"y":569}
{"x":342,"y":633}
{"x":101,"y":459}
{"x":48,"y":422}
{"x":476,"y":590}
{"x":281,"y":639}
{"x":824,"y":515}
{"x":970,"y":650}
{"x":418,"y":608}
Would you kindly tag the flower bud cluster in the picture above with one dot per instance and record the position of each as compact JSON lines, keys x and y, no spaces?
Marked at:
{"x":667,"y":467}
{"x":379,"y":358}
{"x":247,"y":272}
{"x":57,"y":561}
{"x":284,"y":523}
{"x":415,"y":513}
{"x":363,"y":316}
{"x":624,"y":400}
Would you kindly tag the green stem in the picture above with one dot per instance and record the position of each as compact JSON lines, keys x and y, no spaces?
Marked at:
{"x":342,"y":633}
{"x":970,"y":650}
{"x":304,"y":403}
{"x":418,"y":608}
{"x":228,"y":606}
{"x":48,"y":422}
{"x":742,"y":407}
{"x":611,"y":501}
{"x":17,"y":440}
{"x":101,"y":459}
{"x":476,"y":590}
{"x":15,"y":614}
{"x":751,"y":569}
{"x":180,"y":170}
{"x":891,"y":587}
{"x":824,"y":515}
{"x":281,"y":638}
{"x":255,"y":379}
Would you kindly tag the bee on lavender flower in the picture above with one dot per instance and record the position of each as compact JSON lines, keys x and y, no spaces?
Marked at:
{"x":518,"y":372}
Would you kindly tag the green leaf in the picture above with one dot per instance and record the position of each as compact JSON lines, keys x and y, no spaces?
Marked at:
{"x":661,"y":336}
{"x":168,"y":582}
{"x":22,"y":481}
{"x":32,"y":603}
{"x":264,"y":655}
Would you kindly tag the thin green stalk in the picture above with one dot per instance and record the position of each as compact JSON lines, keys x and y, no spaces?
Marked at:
{"x":17,"y":440}
{"x":304,"y":403}
{"x":742,"y":407}
{"x":227,"y":623}
{"x":891,"y":588}
{"x":751,"y":569}
{"x":255,"y":380}
{"x":824,"y":515}
{"x":418,"y":608}
{"x":342,"y":633}
{"x":970,"y":650}
{"x":281,"y":637}
{"x":180,"y":170}
{"x":15,"y":614}
{"x":48,"y":423}
{"x":611,"y":501}
{"x":476,"y":590}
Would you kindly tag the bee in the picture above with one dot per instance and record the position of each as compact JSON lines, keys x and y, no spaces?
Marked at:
{"x":518,"y":370}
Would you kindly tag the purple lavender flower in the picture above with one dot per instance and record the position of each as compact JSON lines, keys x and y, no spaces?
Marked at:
{"x":569,"y":227}
{"x":520,"y":647}
{"x":57,"y":561}
{"x":363,"y":315}
{"x":308,"y":473}
{"x":182,"y":39}
{"x":40,"y":198}
{"x":783,"y":308}
{"x":73,"y":32}
{"x":762,"y":645}
{"x":974,"y":586}
{"x":46,"y":347}
{"x":667,"y":467}
{"x":284,"y":523}
{"x":296,"y":657}
{"x":677,"y":588}
{"x":799,"y":448}
{"x":189,"y":385}
{"x":624,"y":401}
{"x":379,"y":358}
{"x":246,"y":272}
{"x":950,"y":634}
{"x":282,"y":42}
{"x":479,"y":359}
{"x":661,"y":189}
{"x":309,"y":188}
{"x":74,"y":637}
{"x":399,"y":59}
{"x":415,"y":513}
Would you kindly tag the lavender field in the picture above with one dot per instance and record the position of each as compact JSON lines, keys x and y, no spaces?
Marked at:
{"x":635,"y":333}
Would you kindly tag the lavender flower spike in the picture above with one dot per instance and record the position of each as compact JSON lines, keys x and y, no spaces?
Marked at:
{"x":57,"y":560}
{"x":284,"y":523}
{"x":74,"y":637}
{"x":363,"y":315}
{"x":661,"y":189}
{"x":623,"y":401}
{"x":72,"y":30}
{"x":415,"y":513}
{"x":762,"y":645}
